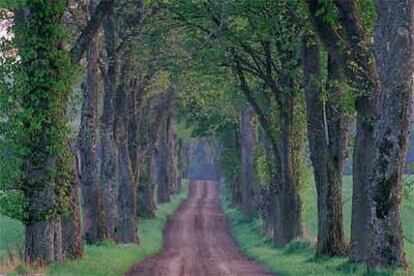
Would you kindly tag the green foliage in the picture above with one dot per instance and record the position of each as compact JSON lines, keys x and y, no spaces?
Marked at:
{"x":11,"y":237}
{"x":11,"y":4}
{"x":261,"y":165}
{"x":34,"y":90}
{"x":368,"y":13}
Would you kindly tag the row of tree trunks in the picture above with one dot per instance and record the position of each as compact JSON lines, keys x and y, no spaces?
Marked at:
{"x":284,"y":207}
{"x":328,"y":139}
{"x":44,"y":193}
{"x":156,"y":153}
{"x":165,"y":162}
{"x":383,"y":113}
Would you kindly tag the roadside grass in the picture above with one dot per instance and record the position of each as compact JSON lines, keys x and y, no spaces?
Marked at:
{"x":298,"y":257}
{"x":111,"y":259}
{"x":11,"y":242}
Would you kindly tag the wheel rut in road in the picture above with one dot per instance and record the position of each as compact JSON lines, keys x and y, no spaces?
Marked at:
{"x":197,"y":241}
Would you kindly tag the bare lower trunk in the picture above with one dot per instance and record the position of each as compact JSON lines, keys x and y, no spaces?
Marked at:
{"x":328,"y":138}
{"x":288,"y":225}
{"x":146,"y":205}
{"x":126,"y":228}
{"x":248,"y":141}
{"x":172,"y":158}
{"x":43,"y":242}
{"x":109,"y":165}
{"x":94,"y":217}
{"x":394,"y":52}
{"x":72,"y":246}
{"x":127,"y":223}
{"x":161,"y":164}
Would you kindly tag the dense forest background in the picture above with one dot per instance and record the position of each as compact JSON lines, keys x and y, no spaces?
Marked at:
{"x":302,"y":108}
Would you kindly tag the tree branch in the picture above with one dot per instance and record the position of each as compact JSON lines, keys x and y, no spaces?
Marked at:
{"x":91,"y":28}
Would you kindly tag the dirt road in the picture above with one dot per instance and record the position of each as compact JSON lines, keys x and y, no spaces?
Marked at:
{"x":198,"y":241}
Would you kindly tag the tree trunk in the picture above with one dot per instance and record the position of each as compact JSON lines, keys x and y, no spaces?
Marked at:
{"x":172,"y":157}
{"x":41,"y":83}
{"x":126,"y":229}
{"x":328,"y":138}
{"x":146,"y":205}
{"x":109,"y":155}
{"x":248,"y":142}
{"x":394,"y":51}
{"x":350,"y":45}
{"x":93,"y":216}
{"x":288,"y":225}
{"x":161,"y":157}
{"x":72,"y":246}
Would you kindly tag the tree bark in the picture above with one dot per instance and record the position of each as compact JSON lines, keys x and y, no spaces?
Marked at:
{"x":93,"y":215}
{"x":351,"y":46}
{"x":109,"y":154}
{"x":127,"y":224}
{"x":286,"y":217}
{"x":43,"y":243}
{"x":288,"y":225}
{"x":394,"y":52}
{"x":328,"y":139}
{"x":161,"y":158}
{"x":72,"y":245}
{"x":85,"y":39}
{"x":248,"y":142}
{"x":41,"y":115}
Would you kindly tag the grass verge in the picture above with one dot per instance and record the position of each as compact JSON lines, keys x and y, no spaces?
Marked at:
{"x":111,"y":259}
{"x":297,"y":258}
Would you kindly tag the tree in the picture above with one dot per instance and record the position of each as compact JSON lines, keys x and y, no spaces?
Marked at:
{"x":381,"y":130}
{"x":40,"y":91}
{"x":328,"y":140}
{"x":93,"y":216}
{"x":393,"y":47}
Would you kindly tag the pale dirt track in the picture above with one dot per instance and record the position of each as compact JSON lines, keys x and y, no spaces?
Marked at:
{"x":198,"y":241}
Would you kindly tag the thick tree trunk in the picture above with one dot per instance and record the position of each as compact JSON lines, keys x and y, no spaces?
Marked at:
{"x":93,"y":215}
{"x":43,"y":242}
{"x":43,"y":237}
{"x":72,"y":245}
{"x":328,"y":138}
{"x":109,"y":155}
{"x":42,"y":114}
{"x":126,"y":229}
{"x":364,"y":144}
{"x":71,"y":230}
{"x":248,"y":142}
{"x":350,"y":45}
{"x":288,"y":225}
{"x":394,"y":52}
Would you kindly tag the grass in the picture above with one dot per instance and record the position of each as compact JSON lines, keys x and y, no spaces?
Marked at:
{"x":11,"y":242}
{"x":111,"y":259}
{"x":298,"y":257}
